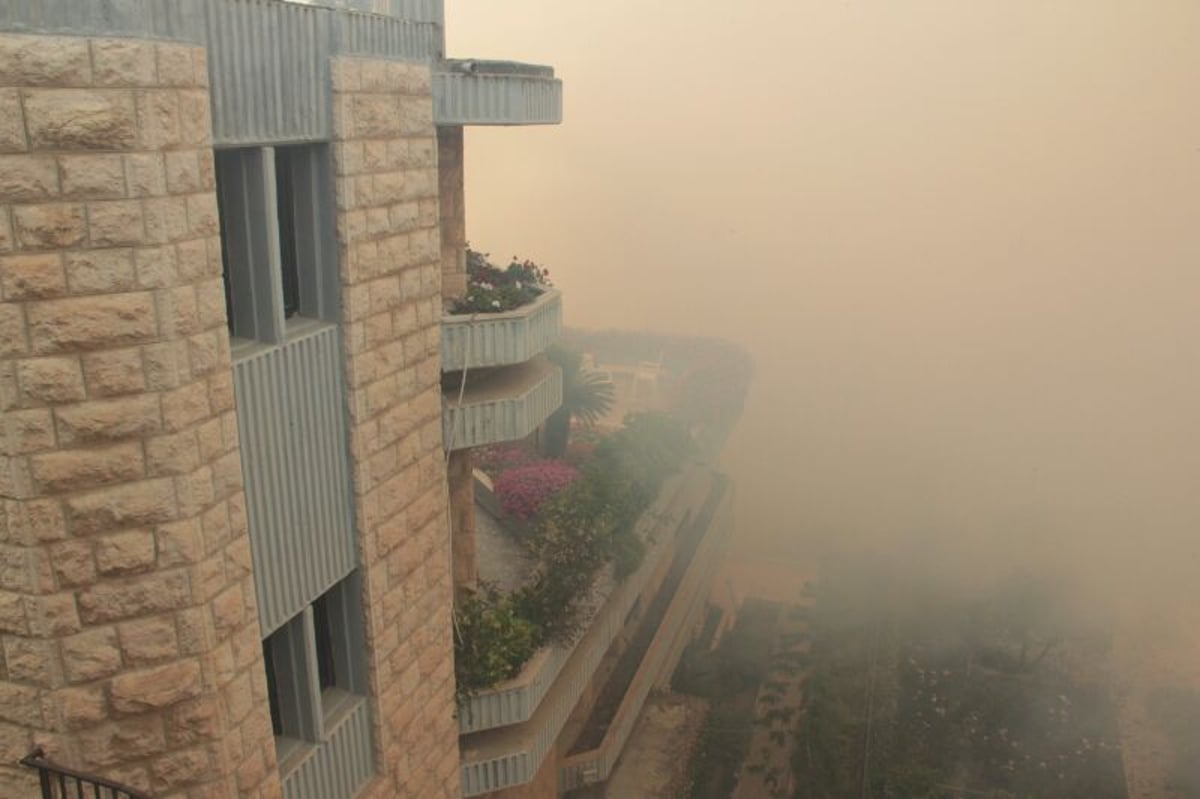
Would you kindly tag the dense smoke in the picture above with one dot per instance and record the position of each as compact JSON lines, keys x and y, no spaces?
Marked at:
{"x":958,"y":240}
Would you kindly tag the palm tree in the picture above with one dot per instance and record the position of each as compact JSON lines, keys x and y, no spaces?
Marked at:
{"x":587,"y":396}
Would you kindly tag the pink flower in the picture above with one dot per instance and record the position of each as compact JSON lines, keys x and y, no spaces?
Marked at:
{"x":522,"y":490}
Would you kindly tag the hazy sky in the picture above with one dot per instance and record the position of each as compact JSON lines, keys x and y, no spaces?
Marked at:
{"x":960,"y":238}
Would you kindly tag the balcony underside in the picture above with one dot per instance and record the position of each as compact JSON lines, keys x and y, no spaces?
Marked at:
{"x":501,"y":339}
{"x":502,"y":404}
{"x":474,"y":92}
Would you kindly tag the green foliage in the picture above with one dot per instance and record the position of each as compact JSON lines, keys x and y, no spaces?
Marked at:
{"x":587,"y":396}
{"x":491,"y":640}
{"x":491,"y":289}
{"x":588,"y":524}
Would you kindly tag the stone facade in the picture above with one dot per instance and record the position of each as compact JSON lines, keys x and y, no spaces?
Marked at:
{"x":130,"y":639}
{"x":385,"y":155}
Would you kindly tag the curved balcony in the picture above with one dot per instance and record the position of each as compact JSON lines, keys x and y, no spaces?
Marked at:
{"x":473,"y":92}
{"x":501,"y":404}
{"x":501,"y":339}
{"x":514,"y":725}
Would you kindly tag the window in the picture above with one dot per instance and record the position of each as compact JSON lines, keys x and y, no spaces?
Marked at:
{"x":277,"y":242}
{"x":314,"y":668}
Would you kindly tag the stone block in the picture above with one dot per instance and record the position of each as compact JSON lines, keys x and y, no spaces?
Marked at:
{"x":73,"y":563}
{"x":145,"y":175}
{"x":149,"y":640}
{"x":180,"y":543}
{"x":26,"y":431}
{"x":416,"y":116}
{"x":70,"y":470}
{"x":182,"y":768}
{"x":125,"y":553}
{"x":156,"y":688}
{"x":83,"y":706}
{"x":91,"y":655}
{"x":158,"y":119}
{"x":123,"y":741}
{"x":27,"y":178}
{"x":193,"y":261}
{"x":166,"y":219}
{"x":375,"y":116}
{"x":203,"y":219}
{"x":123,"y":62}
{"x":51,"y":226}
{"x":175,"y":67}
{"x":185,"y":406}
{"x":20,"y":704}
{"x":114,"y":372}
{"x":166,"y":365}
{"x":183,"y":171}
{"x":137,"y":596}
{"x":7,"y":242}
{"x":26,"y":277}
{"x":195,"y":123}
{"x":44,"y":60}
{"x":35,"y":521}
{"x":108,"y":420}
{"x":47,"y":380}
{"x":90,"y":177}
{"x":93,"y":322}
{"x":100,"y":271}
{"x":31,"y":661}
{"x":53,"y":615}
{"x":70,"y":119}
{"x":12,"y":122}
{"x":139,"y":504}
{"x":115,"y":223}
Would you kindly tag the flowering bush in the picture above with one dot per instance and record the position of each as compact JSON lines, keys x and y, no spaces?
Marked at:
{"x":491,"y":289}
{"x":495,"y":459}
{"x":522,"y":490}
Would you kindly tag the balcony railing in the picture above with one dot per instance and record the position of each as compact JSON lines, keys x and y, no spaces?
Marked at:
{"x":515,"y":700}
{"x":662,"y":653}
{"x":476,"y":92}
{"x":473,"y":341}
{"x":60,"y":782}
{"x":501,"y":405}
{"x":548,"y":690}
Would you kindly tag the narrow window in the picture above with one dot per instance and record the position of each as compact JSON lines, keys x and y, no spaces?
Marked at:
{"x":326,"y":665}
{"x":277,"y":240}
{"x":272,"y":688}
{"x":287,"y":161}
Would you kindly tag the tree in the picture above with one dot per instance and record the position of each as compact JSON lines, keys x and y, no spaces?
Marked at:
{"x":587,"y":396}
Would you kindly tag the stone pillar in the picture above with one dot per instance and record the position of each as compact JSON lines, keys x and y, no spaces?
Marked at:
{"x":127,"y":609}
{"x":462,"y":519}
{"x":385,"y":154}
{"x":453,"y":211}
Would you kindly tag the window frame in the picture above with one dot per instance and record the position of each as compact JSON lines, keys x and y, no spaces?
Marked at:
{"x":307,"y":713}
{"x":249,"y":205}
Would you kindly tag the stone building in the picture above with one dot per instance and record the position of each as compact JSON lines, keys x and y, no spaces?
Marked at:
{"x":236,"y":489}
{"x":225,"y":562}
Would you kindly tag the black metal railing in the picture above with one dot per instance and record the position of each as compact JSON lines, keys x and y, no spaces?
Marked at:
{"x":60,"y":782}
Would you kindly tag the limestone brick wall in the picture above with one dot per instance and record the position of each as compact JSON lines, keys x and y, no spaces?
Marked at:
{"x":127,"y":612}
{"x":385,"y":155}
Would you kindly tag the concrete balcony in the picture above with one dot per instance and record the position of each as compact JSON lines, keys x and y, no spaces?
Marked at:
{"x":501,"y":404}
{"x":472,"y":92}
{"x":515,"y":724}
{"x":501,"y":339}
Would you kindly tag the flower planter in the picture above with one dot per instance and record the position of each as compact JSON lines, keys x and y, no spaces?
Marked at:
{"x":473,"y":341}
